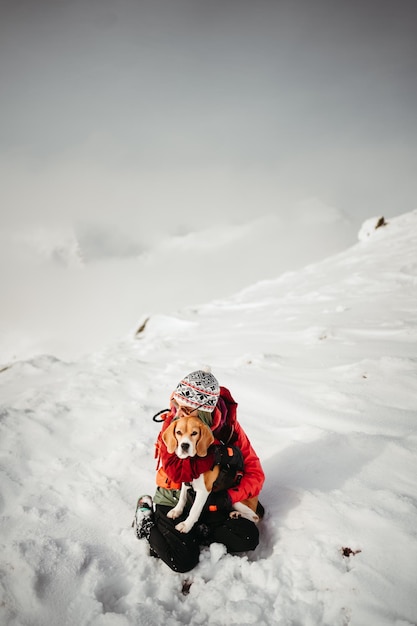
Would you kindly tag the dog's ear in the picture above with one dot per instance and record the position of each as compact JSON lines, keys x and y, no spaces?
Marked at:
{"x":205,"y":440}
{"x":169,"y":438}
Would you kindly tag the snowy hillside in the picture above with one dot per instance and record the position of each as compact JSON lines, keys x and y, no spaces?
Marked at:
{"x":323,"y":364}
{"x":70,"y":290}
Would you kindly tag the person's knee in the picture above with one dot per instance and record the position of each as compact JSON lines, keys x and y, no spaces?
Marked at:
{"x":179,"y":555}
{"x":253,"y":537}
{"x":248,"y":533}
{"x":183,"y":565}
{"x":238,"y":535}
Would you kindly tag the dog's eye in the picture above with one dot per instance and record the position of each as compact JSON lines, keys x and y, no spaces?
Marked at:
{"x":178,"y":432}
{"x":194,"y":433}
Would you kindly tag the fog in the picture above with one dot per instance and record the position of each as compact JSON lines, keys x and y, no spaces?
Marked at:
{"x":131,"y":129}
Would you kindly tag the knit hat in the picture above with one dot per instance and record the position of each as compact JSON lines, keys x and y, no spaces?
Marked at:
{"x":198,"y":389}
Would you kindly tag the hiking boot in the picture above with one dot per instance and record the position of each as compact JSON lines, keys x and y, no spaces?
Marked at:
{"x":143,"y":520}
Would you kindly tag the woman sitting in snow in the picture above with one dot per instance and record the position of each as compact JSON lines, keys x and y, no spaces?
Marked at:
{"x":199,"y":395}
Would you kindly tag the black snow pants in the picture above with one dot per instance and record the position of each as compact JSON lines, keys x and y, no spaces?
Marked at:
{"x":181,"y":551}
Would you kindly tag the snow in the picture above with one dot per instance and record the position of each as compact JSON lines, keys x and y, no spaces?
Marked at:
{"x":323,"y":363}
{"x":100,"y":278}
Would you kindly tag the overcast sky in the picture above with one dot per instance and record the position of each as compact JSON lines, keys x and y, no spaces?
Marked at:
{"x":160,"y":153}
{"x":170,"y":114}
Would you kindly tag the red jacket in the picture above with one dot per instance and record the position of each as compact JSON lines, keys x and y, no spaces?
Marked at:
{"x":174,"y":471}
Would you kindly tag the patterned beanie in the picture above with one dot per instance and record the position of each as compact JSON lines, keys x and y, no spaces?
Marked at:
{"x":198,"y":389}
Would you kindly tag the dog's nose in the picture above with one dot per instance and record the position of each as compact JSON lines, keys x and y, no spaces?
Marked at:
{"x":185,"y":446}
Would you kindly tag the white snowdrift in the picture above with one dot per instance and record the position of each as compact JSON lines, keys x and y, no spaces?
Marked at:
{"x":323,"y":363}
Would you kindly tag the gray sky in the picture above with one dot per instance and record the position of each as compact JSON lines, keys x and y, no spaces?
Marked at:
{"x":173,"y":114}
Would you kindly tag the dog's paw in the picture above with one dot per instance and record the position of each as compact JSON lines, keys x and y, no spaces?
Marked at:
{"x":173,"y":514}
{"x":183,"y":527}
{"x":251,"y":517}
{"x":242,"y":510}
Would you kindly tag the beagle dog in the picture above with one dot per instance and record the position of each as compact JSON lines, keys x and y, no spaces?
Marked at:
{"x":188,"y":437}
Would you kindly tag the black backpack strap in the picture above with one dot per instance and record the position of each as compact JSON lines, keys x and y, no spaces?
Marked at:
{"x":230,"y":459}
{"x":160,"y":416}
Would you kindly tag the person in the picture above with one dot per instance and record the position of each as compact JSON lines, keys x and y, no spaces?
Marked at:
{"x":199,"y":394}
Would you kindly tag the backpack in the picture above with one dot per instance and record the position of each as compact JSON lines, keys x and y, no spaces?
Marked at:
{"x":230,"y":459}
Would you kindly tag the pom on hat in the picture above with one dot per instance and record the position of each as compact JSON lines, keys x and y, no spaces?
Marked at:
{"x":198,"y":389}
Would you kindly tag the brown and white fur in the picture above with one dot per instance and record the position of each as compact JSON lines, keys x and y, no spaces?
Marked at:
{"x":188,"y":437}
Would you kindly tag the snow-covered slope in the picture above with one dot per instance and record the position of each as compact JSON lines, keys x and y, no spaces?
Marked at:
{"x":323,"y":363}
{"x":70,"y":290}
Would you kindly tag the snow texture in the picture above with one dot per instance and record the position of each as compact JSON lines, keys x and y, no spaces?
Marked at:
{"x":323,"y":364}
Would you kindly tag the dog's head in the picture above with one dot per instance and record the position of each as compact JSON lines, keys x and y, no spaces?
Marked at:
{"x":187,"y":437}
